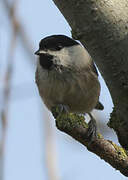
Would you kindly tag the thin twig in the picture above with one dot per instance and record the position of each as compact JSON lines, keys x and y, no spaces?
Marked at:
{"x":16,"y":24}
{"x":50,"y":149}
{"x":6,"y":95}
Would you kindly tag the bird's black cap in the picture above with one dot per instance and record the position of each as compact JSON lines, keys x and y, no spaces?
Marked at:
{"x":56,"y":42}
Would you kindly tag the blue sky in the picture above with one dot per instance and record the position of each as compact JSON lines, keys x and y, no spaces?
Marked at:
{"x":25,"y":149}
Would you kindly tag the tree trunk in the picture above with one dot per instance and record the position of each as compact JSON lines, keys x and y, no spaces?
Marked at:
{"x":102,"y":27}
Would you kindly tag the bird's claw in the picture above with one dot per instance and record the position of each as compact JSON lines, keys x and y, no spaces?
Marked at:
{"x":63,"y":108}
{"x":60,"y":109}
{"x":92,"y":130}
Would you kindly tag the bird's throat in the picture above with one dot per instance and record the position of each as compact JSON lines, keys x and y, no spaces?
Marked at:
{"x":46,"y":61}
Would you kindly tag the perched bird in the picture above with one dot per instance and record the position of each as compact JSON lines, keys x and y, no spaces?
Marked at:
{"x":66,"y":75}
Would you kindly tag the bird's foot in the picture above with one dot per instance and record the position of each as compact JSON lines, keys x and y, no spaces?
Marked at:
{"x":60,"y":108}
{"x":63,"y":108}
{"x":92,"y":130}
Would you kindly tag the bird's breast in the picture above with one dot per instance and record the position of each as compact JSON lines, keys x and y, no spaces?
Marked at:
{"x":80,"y":92}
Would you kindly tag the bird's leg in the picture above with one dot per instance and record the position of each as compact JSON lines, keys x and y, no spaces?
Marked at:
{"x":92,"y":129}
{"x":61,"y":108}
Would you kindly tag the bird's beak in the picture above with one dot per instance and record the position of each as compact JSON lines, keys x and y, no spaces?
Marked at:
{"x":37,"y":52}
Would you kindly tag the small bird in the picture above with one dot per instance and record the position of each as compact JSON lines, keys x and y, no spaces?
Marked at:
{"x":66,"y":76}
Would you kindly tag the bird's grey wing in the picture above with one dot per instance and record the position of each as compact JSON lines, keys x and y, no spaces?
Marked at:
{"x":99,"y":105}
{"x":94,"y":68}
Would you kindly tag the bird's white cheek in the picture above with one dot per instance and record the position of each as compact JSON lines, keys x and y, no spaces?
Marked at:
{"x":61,"y":57}
{"x":75,"y":56}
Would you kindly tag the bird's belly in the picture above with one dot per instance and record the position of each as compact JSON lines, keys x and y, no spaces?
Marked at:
{"x":70,"y":92}
{"x":81,"y":101}
{"x":78,"y":100}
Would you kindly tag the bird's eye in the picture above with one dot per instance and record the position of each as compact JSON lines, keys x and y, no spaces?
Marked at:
{"x":55,"y":47}
{"x":59,"y":45}
{"x":44,"y":47}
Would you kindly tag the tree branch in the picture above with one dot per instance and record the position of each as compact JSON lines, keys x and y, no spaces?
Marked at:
{"x":6,"y":95}
{"x":102,"y":27}
{"x":75,"y":126}
{"x":17,"y":26}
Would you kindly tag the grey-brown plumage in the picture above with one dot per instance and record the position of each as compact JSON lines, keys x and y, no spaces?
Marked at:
{"x":66,"y":75}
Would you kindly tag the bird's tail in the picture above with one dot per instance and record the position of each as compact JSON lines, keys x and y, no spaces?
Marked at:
{"x":99,"y":106}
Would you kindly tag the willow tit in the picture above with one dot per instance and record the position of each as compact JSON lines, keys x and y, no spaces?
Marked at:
{"x":66,"y":75}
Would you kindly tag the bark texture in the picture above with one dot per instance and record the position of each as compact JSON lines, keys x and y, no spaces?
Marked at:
{"x":75,"y":126}
{"x":102,"y":27}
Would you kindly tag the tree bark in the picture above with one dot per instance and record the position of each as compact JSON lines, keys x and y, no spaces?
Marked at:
{"x":76,"y":126}
{"x":102,"y":27}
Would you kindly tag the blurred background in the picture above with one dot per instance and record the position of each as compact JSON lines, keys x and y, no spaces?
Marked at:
{"x":30,"y":145}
